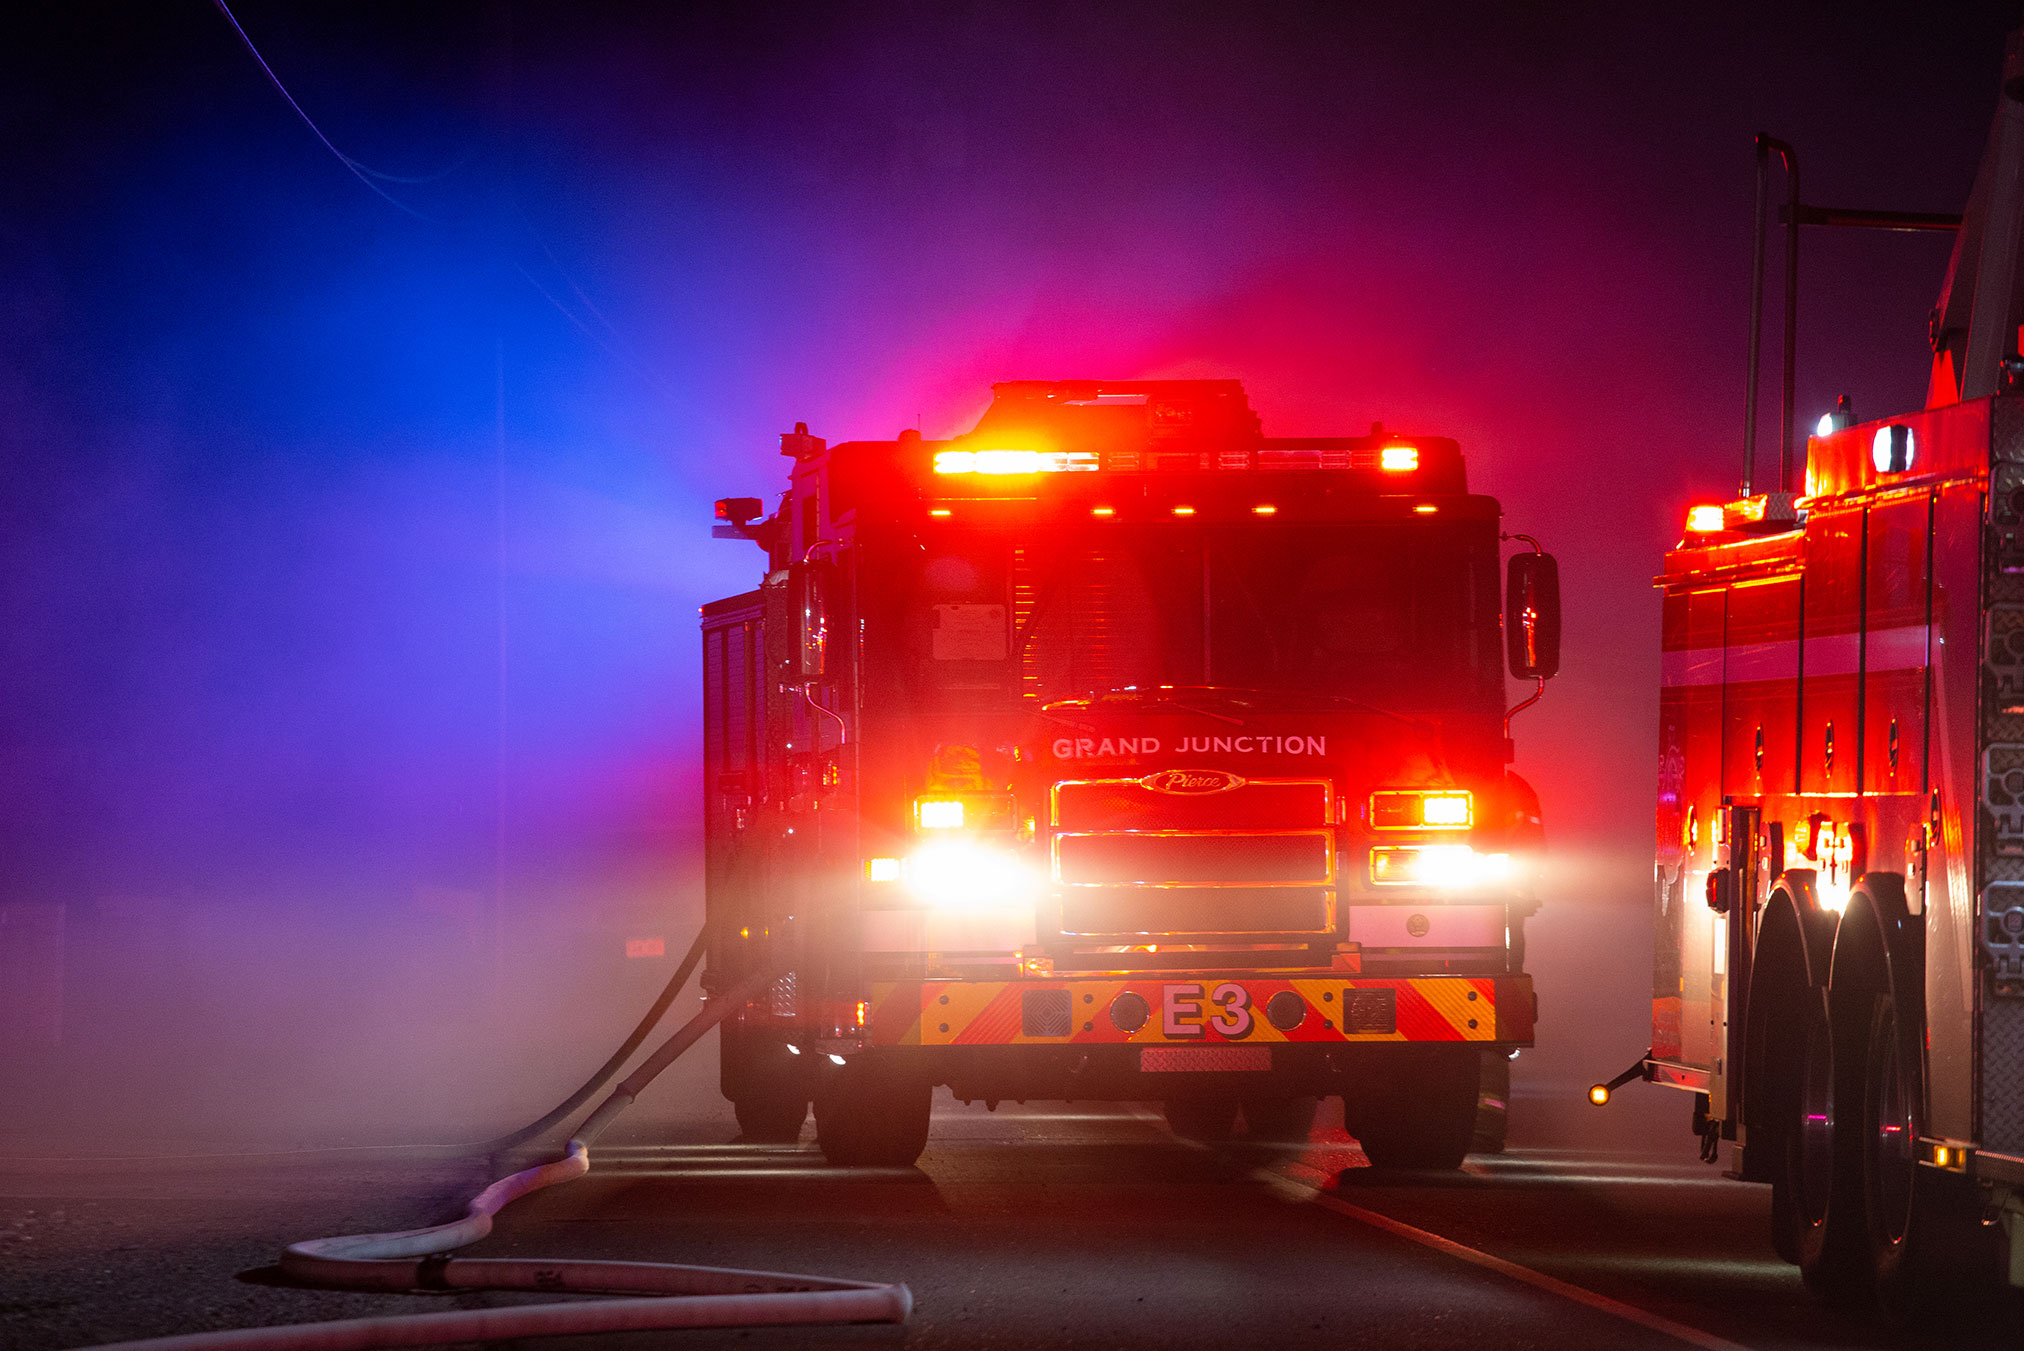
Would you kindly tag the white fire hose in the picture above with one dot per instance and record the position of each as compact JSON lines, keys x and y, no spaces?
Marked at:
{"x":676,"y":1296}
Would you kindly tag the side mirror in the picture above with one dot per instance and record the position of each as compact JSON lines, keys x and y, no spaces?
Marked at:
{"x":808,"y":602}
{"x":1532,"y":615}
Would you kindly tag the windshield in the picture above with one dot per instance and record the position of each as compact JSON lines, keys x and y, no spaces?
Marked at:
{"x":1403,"y":615}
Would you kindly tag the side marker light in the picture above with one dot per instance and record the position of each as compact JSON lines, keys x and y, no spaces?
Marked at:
{"x":1184,"y":511}
{"x":1264,"y":509}
{"x":1599,"y":1095}
{"x":1103,"y":511}
{"x":938,"y":511}
{"x":1426,"y":508}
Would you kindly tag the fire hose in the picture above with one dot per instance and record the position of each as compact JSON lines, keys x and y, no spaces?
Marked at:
{"x":661,"y":1295}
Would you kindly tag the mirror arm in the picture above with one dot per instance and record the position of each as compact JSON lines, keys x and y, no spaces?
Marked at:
{"x":842,"y":728}
{"x":1538,"y":691}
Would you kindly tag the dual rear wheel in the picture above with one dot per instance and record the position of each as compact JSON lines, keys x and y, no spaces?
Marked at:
{"x":1847,"y":1203}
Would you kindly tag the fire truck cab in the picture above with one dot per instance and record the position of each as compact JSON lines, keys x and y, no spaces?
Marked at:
{"x":1839,"y":971}
{"x":1115,"y":751}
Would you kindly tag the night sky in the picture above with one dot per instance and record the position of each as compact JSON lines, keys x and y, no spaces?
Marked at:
{"x":352,"y":524}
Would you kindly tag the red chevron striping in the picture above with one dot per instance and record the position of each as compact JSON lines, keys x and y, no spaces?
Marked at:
{"x":1418,"y":1020}
{"x":996,"y":1024}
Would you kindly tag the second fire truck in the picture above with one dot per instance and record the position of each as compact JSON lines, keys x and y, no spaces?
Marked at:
{"x":1840,"y":872}
{"x":1116,"y":751}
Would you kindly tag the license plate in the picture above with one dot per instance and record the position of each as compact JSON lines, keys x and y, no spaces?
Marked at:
{"x":1203,"y":1059}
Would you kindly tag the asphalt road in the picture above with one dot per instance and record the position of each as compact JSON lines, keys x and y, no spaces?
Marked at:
{"x":1041,"y":1226}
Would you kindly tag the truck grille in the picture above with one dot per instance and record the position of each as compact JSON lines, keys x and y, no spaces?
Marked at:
{"x":1195,"y":853}
{"x":1165,"y":911}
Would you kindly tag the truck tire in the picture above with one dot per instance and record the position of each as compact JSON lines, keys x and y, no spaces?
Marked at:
{"x":1421,"y":1115}
{"x":1890,"y":1124}
{"x":1493,"y":1104}
{"x":1822,"y":1164}
{"x":870,"y":1115}
{"x":766,"y":1084}
{"x":1279,"y":1121}
{"x":1207,"y":1121}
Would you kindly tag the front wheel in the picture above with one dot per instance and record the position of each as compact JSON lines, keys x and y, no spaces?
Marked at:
{"x":1422,"y":1114}
{"x":766,"y":1084}
{"x":870,"y":1115}
{"x":1493,"y":1104}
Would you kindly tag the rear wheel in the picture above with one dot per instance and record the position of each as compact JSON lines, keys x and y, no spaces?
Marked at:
{"x":1208,"y":1121}
{"x":1279,"y":1121}
{"x":870,"y":1115}
{"x":1421,"y":1115}
{"x":1822,"y":1164}
{"x":1890,"y":1130}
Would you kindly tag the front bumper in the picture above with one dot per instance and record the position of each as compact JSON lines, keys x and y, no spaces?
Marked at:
{"x":1202,"y":1011}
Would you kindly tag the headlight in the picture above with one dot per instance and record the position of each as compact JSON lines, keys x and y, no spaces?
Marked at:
{"x":966,"y":875}
{"x":1444,"y":866}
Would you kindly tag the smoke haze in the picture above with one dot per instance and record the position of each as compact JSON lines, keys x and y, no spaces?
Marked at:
{"x":352,"y":527}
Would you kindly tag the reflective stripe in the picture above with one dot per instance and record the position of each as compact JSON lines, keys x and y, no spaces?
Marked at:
{"x":992,"y":1013}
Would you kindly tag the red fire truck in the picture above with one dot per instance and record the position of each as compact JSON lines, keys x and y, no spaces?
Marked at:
{"x":1840,"y":867}
{"x":1115,"y":751}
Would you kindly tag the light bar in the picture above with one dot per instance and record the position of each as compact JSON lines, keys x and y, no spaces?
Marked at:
{"x":1013,"y":461}
{"x":1704,"y":520}
{"x":1399,"y":459}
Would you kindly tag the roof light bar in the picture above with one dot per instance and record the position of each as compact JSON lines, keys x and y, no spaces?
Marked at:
{"x":1013,"y":461}
{"x":1704,"y":520}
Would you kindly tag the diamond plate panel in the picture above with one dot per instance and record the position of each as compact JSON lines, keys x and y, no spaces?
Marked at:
{"x":2003,"y":798}
{"x":2003,"y":652}
{"x":2003,"y":1076}
{"x":781,"y":997}
{"x":2006,"y":429}
{"x":1204,"y":1059}
{"x":2003,"y":931}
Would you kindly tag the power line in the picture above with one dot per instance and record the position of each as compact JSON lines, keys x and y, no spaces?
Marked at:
{"x":365,"y":174}
{"x":359,"y":171}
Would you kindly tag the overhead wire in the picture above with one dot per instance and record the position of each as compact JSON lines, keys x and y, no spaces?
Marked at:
{"x":366,"y":174}
{"x":360,"y":171}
